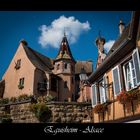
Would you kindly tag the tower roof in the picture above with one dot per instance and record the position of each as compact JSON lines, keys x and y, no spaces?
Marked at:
{"x":100,"y":39}
{"x":64,"y":51}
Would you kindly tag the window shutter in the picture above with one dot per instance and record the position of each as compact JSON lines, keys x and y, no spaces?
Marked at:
{"x":116,"y":80}
{"x":102,"y":94}
{"x":136,"y":61}
{"x":94,"y":95}
{"x":106,"y":87}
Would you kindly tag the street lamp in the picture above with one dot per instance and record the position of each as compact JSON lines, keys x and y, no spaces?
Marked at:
{"x":83,"y":75}
{"x":83,"y":78}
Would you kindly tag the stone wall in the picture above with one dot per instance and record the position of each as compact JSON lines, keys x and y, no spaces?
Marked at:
{"x":62,"y":112}
{"x":71,"y":112}
{"x":20,"y":113}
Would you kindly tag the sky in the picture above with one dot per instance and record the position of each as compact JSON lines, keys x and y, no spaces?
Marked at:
{"x":43,"y":30}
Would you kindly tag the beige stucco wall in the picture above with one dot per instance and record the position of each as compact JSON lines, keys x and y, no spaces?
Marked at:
{"x":65,"y":93}
{"x":85,"y":94}
{"x":12,"y":75}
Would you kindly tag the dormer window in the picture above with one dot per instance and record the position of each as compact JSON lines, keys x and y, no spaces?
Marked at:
{"x":18,"y":64}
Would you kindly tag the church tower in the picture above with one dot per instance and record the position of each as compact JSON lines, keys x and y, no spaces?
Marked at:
{"x":64,"y":67}
{"x":100,"y":41}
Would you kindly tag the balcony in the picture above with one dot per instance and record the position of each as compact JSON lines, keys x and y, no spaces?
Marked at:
{"x":42,"y":87}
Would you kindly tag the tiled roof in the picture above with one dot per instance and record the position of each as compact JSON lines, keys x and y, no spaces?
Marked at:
{"x":38,"y":60}
{"x":64,"y":51}
{"x":121,"y":38}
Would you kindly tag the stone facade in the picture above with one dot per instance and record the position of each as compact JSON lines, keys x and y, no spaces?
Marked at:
{"x":61,"y":112}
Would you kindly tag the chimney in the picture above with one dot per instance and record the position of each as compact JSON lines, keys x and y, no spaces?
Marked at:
{"x":121,"y":26}
{"x":23,"y":42}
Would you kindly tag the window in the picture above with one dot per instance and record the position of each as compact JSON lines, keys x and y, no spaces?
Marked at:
{"x":116,"y":80}
{"x":65,"y":84}
{"x":18,"y":64}
{"x":53,"y":84}
{"x":21,"y":83}
{"x":136,"y":61}
{"x":94,"y":95}
{"x":102,"y":92}
{"x":132,"y":71}
{"x":65,"y":65}
{"x":130,"y":75}
{"x":58,"y":66}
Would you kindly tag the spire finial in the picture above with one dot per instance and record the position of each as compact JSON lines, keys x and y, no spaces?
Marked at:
{"x":64,"y":32}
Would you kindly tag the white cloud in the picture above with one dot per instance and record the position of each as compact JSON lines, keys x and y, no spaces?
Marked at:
{"x":52,"y":34}
{"x":108,"y":45}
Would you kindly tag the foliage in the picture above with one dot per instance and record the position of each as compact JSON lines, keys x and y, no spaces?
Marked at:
{"x":6,"y":119}
{"x":45,"y":99}
{"x":4,"y":101}
{"x":128,"y":96}
{"x":100,"y":108}
{"x":23,"y":97}
{"x":13,"y":99}
{"x":20,"y":86}
{"x":42,"y":112}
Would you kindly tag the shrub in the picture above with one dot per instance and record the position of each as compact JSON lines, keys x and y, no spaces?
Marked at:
{"x":13,"y":99}
{"x":4,"y":101}
{"x":6,"y":119}
{"x":42,"y":112}
{"x":23,"y":97}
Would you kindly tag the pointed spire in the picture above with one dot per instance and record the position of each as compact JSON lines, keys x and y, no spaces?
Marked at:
{"x":64,"y":51}
{"x":100,"y":39}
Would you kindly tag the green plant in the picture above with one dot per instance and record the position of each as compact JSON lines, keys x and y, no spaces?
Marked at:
{"x":49,"y":98}
{"x":6,"y":119}
{"x":13,"y":99}
{"x":45,"y":99}
{"x":4,"y":101}
{"x":23,"y":97}
{"x":20,"y":86}
{"x":42,"y":112}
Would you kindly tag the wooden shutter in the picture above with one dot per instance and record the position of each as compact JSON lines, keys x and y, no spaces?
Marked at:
{"x":106,"y":87}
{"x":136,"y":61}
{"x":102,"y":94}
{"x":94,"y":95}
{"x":116,"y":80}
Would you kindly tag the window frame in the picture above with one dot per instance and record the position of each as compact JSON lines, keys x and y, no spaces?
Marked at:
{"x":124,"y":71}
{"x":120,"y":87}
{"x":138,"y":57}
{"x":93,"y":105}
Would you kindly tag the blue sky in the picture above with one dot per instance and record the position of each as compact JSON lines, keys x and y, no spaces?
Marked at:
{"x":81,"y":28}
